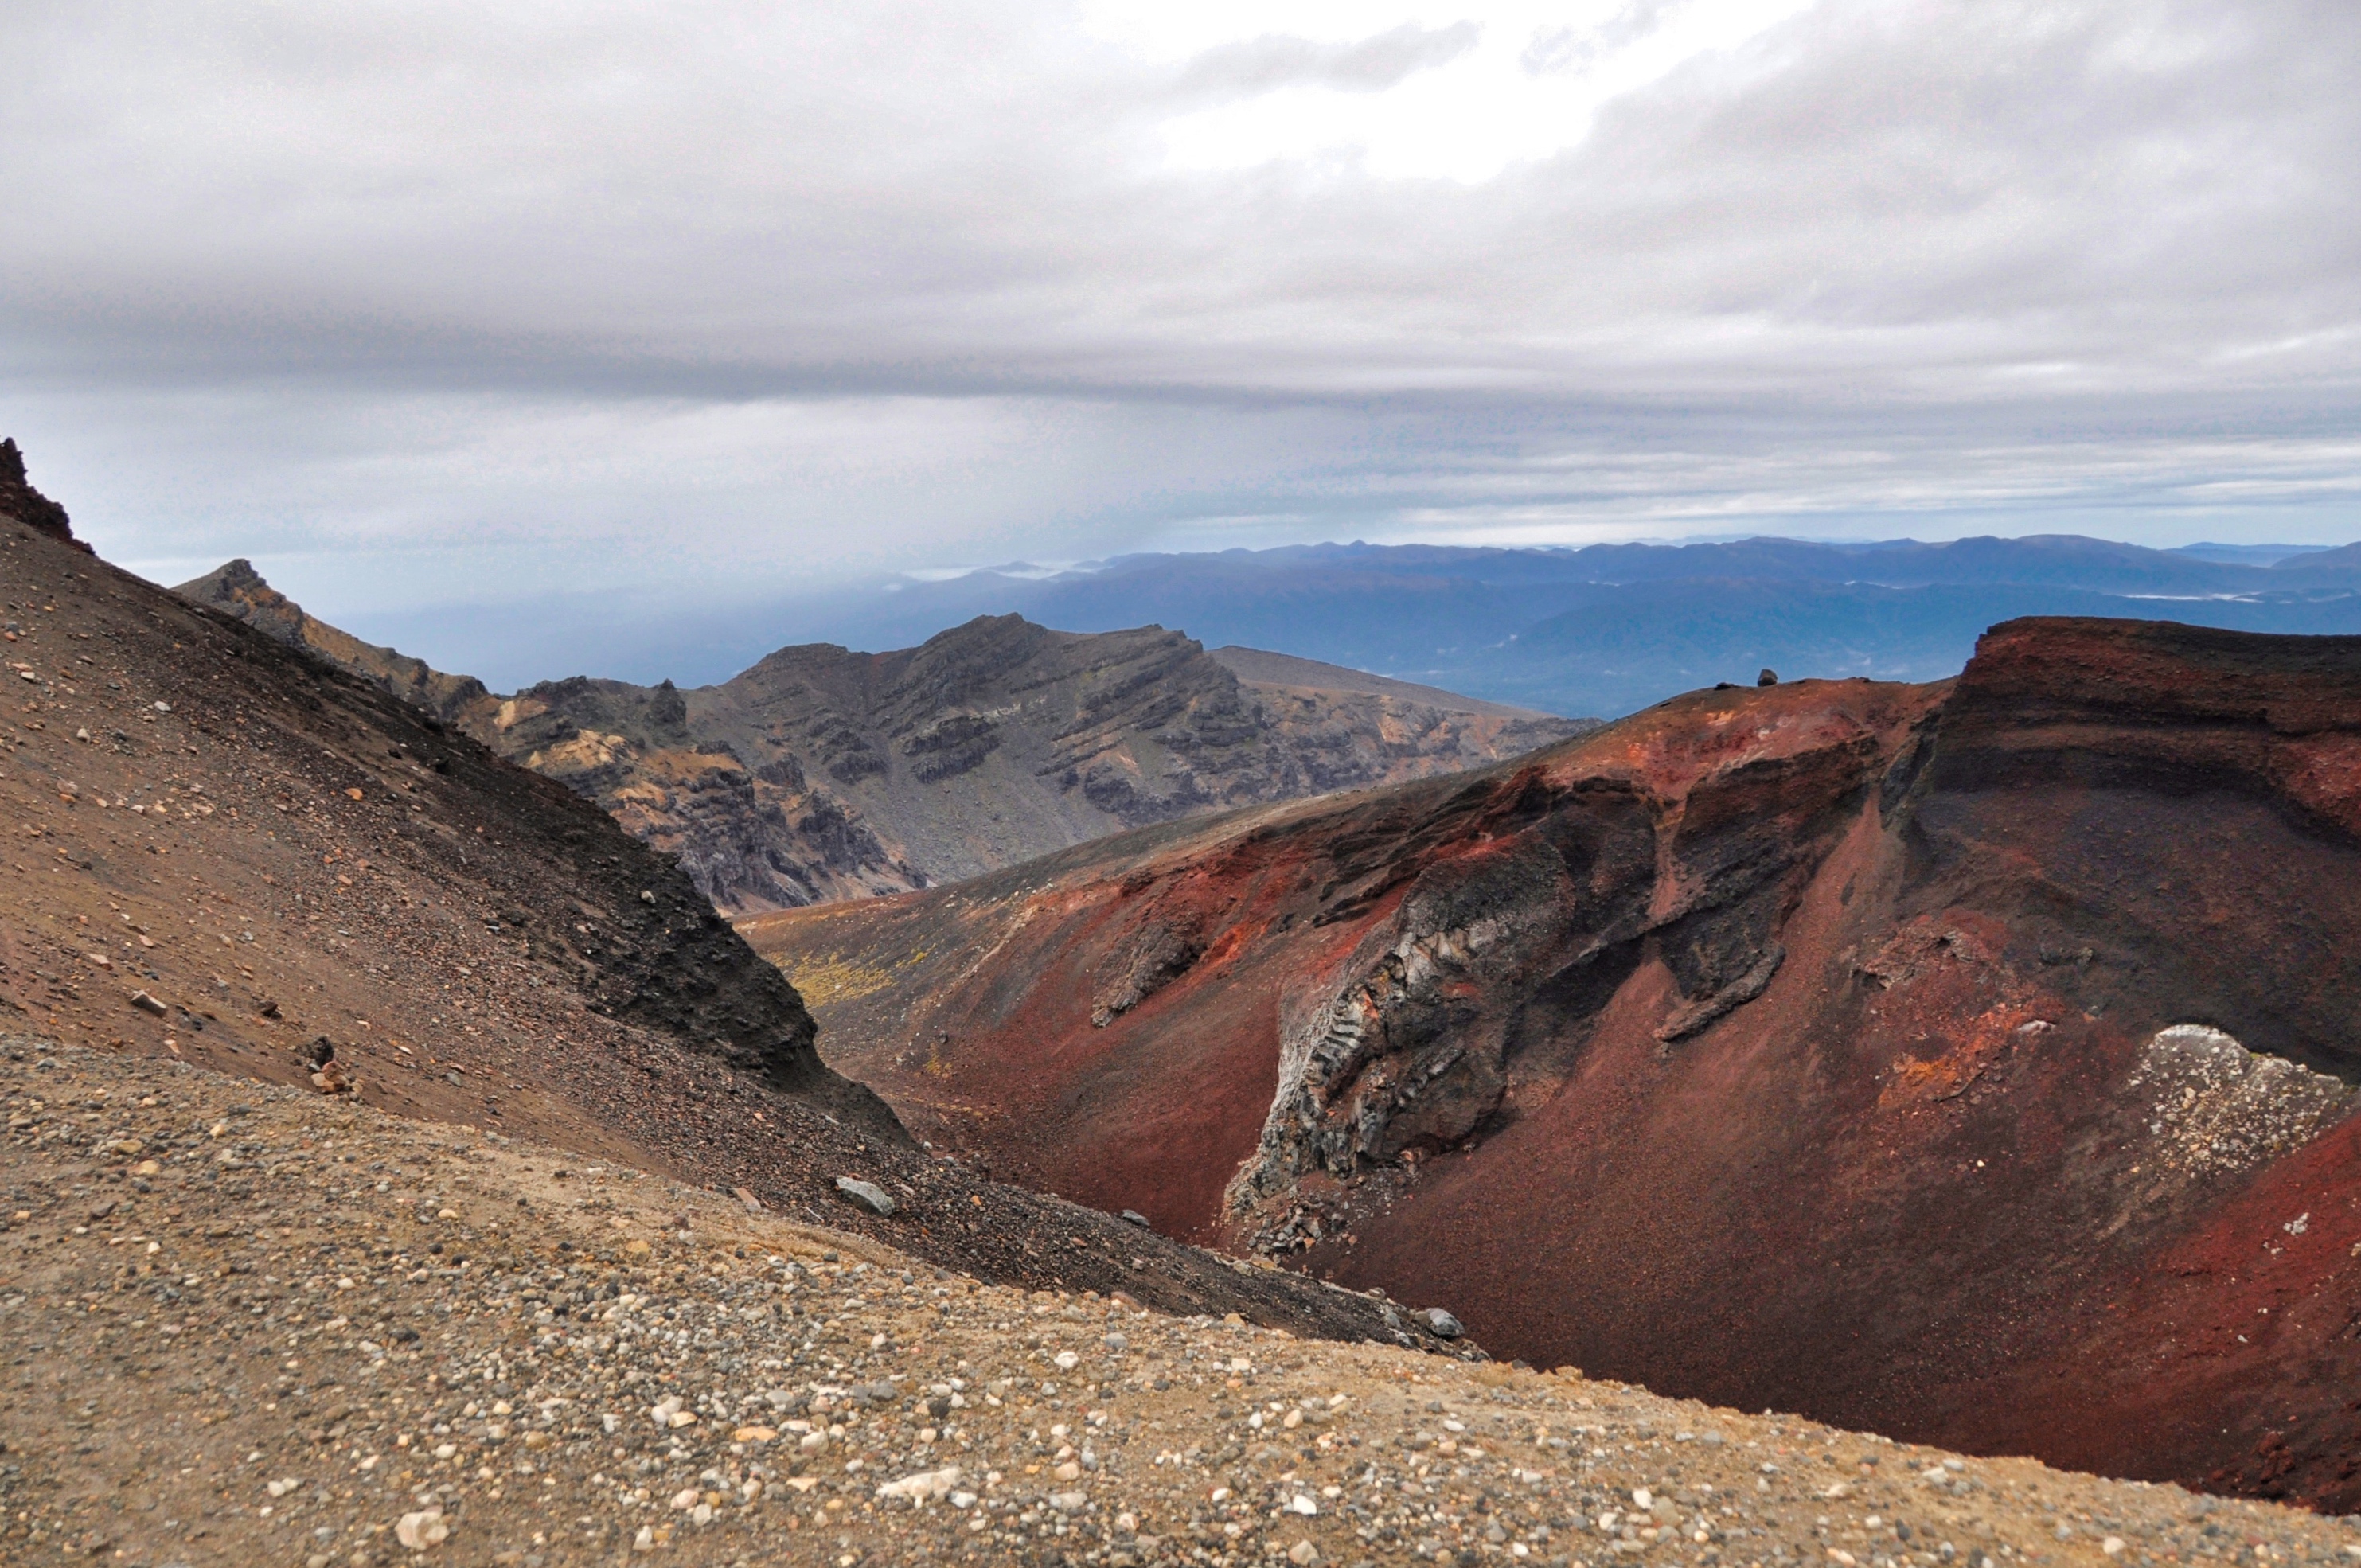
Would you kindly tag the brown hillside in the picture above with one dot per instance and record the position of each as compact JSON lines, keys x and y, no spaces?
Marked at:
{"x":228,"y":852}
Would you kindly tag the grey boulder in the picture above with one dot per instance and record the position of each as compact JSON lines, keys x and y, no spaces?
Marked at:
{"x":867,"y":1194}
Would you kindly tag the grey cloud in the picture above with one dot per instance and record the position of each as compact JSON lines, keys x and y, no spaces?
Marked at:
{"x":489,"y":301}
{"x":1365,"y":65}
{"x":1553,"y":49}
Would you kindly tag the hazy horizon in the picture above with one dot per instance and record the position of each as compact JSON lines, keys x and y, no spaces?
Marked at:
{"x":446,"y":307}
{"x":1316,"y":600}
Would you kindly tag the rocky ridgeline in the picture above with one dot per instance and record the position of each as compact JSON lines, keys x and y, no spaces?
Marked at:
{"x":19,"y":500}
{"x":821,"y":775}
{"x":251,"y":1324}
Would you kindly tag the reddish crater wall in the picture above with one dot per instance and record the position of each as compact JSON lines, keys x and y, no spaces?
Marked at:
{"x":1797,"y":1047}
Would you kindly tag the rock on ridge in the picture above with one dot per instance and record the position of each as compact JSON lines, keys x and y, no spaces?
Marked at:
{"x":20,"y":500}
{"x":236,"y":588}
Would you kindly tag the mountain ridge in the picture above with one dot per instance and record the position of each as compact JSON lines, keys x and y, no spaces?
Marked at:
{"x":1609,"y":630}
{"x":820,"y":774}
{"x":232,"y":855}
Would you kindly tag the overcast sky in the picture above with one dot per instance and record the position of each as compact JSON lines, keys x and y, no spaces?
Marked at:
{"x":430,"y":303}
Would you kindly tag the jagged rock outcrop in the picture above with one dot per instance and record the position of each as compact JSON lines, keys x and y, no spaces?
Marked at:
{"x":236,"y":588}
{"x":1971,"y":1062}
{"x":822,"y":775}
{"x":21,"y":501}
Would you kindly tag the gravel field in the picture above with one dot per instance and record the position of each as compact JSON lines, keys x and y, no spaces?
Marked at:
{"x":252,"y":1325}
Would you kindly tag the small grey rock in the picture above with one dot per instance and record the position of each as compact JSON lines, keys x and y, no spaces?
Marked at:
{"x":868,"y":1194}
{"x":1439,"y":1324}
{"x":1134,"y":1217}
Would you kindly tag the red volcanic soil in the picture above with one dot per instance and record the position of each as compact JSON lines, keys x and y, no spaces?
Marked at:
{"x":1969,"y":1062}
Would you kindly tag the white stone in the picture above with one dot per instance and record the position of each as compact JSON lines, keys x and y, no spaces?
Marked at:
{"x":925,"y":1486}
{"x":422,"y":1529}
{"x":867,"y":1194}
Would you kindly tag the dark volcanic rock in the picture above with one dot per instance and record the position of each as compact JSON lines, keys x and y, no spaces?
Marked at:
{"x":821,"y":774}
{"x":26,"y":505}
{"x":1971,"y":1062}
{"x":237,"y":589}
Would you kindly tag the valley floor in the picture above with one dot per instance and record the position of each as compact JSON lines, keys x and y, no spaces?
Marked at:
{"x":247,"y":1324}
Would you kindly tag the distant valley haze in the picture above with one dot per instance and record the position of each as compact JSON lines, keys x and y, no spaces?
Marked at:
{"x":642,"y":341}
{"x":1595,"y":632}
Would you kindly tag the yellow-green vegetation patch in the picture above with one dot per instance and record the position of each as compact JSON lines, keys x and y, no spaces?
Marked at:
{"x":823,"y":982}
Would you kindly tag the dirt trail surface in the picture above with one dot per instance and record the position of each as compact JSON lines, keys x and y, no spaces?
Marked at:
{"x":254,"y":1325}
{"x":220,"y":850}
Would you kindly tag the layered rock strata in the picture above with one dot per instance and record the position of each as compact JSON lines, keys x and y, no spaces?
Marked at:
{"x":1968,"y":1061}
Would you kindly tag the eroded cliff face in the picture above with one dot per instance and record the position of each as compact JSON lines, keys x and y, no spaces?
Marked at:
{"x":821,"y":775}
{"x":1969,"y":1062}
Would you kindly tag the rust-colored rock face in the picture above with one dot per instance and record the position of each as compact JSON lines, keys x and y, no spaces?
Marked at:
{"x":1971,"y":1062}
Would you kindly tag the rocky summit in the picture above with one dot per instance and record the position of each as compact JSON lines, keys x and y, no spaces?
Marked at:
{"x":821,"y":775}
{"x":1971,"y":1062}
{"x":20,"y":502}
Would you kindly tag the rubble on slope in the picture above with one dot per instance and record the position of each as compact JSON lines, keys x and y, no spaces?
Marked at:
{"x":254,"y":1324}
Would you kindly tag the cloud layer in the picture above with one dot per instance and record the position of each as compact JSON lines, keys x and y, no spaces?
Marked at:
{"x":438,"y":303}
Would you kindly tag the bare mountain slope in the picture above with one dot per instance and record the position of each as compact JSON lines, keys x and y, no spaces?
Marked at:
{"x":821,"y":775}
{"x":237,"y":588}
{"x":226,"y":852}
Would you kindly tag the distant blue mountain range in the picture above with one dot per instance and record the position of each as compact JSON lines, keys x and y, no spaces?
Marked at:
{"x":1602,"y":630}
{"x":1609,"y":628}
